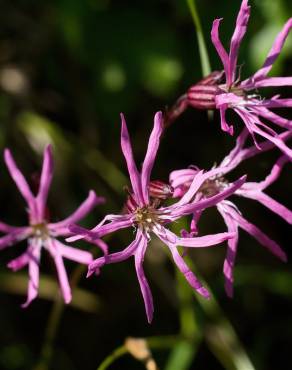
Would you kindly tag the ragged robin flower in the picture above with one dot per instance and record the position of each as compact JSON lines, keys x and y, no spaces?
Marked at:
{"x":181,"y":181}
{"x":40,"y":233}
{"x":148,"y":216}
{"x":226,"y":91}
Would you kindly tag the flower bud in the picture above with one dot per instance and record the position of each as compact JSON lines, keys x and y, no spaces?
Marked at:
{"x":203,"y":96}
{"x":131,"y":204}
{"x":160,"y":190}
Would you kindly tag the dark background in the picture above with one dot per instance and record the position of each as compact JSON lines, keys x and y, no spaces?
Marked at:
{"x":67,"y":69}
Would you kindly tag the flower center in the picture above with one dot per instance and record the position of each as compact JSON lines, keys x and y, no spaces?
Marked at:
{"x":146,"y":217}
{"x":40,"y":230}
{"x":213,"y":186}
{"x":234,"y":90}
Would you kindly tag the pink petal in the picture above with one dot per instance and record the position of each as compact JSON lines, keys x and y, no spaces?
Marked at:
{"x":262,"y":238}
{"x":229,"y":261}
{"x":52,"y":246}
{"x":144,"y":286}
{"x":5,"y":228}
{"x":179,"y":192}
{"x":88,"y":235}
{"x":197,"y":182}
{"x":128,"y":154}
{"x":114,"y":226}
{"x":275,"y":173}
{"x":193,"y":226}
{"x":61,"y":228}
{"x":115,"y":257}
{"x":269,"y":82}
{"x":275,"y":103}
{"x":46,"y":179}
{"x":224,"y":125}
{"x":252,"y":122}
{"x":220,"y":49}
{"x":75,"y":229}
{"x":205,"y":241}
{"x":275,"y":118}
{"x":239,"y":32}
{"x":182,"y":266}
{"x":169,"y":237}
{"x":121,"y":222}
{"x":81,"y":233}
{"x":235,"y":156}
{"x":33,"y":271}
{"x":206,"y":203}
{"x":73,"y":254}
{"x":274,"y":52}
{"x":14,"y":237}
{"x":271,"y":204}
{"x":19,"y":262}
{"x":152,"y":149}
{"x":276,"y":140}
{"x":265,"y":146}
{"x":20,"y":182}
{"x":181,"y":177}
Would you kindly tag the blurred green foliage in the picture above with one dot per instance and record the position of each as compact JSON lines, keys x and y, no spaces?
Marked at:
{"x":67,"y":69}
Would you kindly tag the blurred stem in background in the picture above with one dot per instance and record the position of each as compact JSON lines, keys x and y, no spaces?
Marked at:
{"x":214,"y":327}
{"x":55,"y":317}
{"x":203,"y":52}
{"x":185,"y":351}
{"x":50,"y":334}
{"x":219,"y":333}
{"x":204,"y":57}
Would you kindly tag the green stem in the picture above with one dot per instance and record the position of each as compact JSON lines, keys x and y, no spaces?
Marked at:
{"x":55,"y":318}
{"x":117,"y":353}
{"x":204,"y":57}
{"x":51,"y":330}
{"x":54,"y":322}
{"x":188,"y":323}
{"x":163,"y":342}
{"x":219,"y":333}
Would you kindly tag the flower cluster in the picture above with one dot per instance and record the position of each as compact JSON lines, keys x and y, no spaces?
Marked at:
{"x":151,"y":206}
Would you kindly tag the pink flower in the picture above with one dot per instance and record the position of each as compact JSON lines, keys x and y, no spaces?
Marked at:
{"x":239,"y":96}
{"x":243,"y":97}
{"x":148,"y":216}
{"x":181,"y":180}
{"x":40,"y":233}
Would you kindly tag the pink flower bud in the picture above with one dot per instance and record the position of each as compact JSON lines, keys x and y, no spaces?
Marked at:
{"x":203,"y":96}
{"x":160,"y":190}
{"x":131,"y":204}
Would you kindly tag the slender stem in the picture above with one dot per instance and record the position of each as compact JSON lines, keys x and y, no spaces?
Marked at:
{"x":117,"y":353}
{"x":163,"y":342}
{"x":204,"y":57}
{"x":221,"y":336}
{"x":54,"y":320}
{"x":51,"y":330}
{"x":56,"y":316}
{"x":188,"y":323}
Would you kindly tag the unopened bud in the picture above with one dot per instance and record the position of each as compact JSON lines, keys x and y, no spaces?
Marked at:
{"x":131,"y":203}
{"x":203,"y":96}
{"x":200,"y":96}
{"x":160,"y":190}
